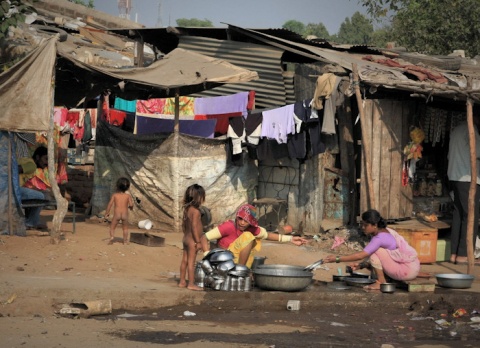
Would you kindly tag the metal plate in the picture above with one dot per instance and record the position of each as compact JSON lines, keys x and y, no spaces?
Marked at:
{"x":359,"y":281}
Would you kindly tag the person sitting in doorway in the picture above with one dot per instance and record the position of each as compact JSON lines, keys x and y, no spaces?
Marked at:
{"x":243,"y":236}
{"x":34,"y":184}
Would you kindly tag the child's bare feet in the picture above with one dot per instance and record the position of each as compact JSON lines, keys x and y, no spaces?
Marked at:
{"x":182,"y":285}
{"x":126,"y":242}
{"x":110,"y":242}
{"x":194,"y":287}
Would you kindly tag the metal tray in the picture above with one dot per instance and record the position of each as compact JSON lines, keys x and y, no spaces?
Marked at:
{"x":353,"y":281}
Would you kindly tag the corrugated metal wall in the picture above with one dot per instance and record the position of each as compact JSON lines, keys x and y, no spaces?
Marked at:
{"x":266,"y":61}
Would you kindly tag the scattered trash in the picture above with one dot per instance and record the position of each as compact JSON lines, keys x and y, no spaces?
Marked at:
{"x":189,"y":314}
{"x":459,"y":313}
{"x":127,"y":315}
{"x":422,"y":318}
{"x":475,"y":319}
{"x":87,"y":309}
{"x":11,"y":299}
{"x":293,"y":305}
{"x":333,"y":323}
{"x":337,"y":241}
{"x":442,"y":323}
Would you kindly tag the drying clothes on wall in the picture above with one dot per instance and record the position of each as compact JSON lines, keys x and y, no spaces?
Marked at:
{"x":222,"y":105}
{"x":330,"y":109}
{"x":149,"y":124}
{"x":323,"y":89}
{"x":222,"y":121}
{"x":236,"y":132}
{"x":253,"y":128}
{"x":125,"y":105}
{"x":278,"y":123}
{"x":297,"y":143}
{"x":60,"y":115}
{"x":151,"y":106}
{"x":185,"y":105}
{"x":270,"y":148}
{"x":221,"y":109}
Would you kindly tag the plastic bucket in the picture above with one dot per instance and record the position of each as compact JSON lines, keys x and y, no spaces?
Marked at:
{"x":146,"y":224}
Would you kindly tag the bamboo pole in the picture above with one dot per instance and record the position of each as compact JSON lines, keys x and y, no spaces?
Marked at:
{"x":473,"y":187}
{"x":10,"y":186}
{"x":365,"y":140}
{"x":176,"y":124}
{"x":62,"y":203}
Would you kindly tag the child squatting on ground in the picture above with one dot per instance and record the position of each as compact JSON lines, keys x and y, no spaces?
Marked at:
{"x":121,"y":201}
{"x":192,"y":232}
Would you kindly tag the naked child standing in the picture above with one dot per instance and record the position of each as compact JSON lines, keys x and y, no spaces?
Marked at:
{"x":121,"y":201}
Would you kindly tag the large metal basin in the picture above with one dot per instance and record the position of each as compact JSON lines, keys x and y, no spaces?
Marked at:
{"x":282,"y":267}
{"x":455,"y":281}
{"x":282,"y":278}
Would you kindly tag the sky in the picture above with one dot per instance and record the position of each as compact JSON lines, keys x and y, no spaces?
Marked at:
{"x":254,"y":14}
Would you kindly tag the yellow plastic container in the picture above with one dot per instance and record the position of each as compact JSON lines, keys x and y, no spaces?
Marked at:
{"x":443,"y":250}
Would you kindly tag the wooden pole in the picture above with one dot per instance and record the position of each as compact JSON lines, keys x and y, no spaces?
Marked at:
{"x":10,"y":186}
{"x":365,"y":140}
{"x":176,"y":124}
{"x":347,"y":159}
{"x":62,"y":203}
{"x":473,"y":187}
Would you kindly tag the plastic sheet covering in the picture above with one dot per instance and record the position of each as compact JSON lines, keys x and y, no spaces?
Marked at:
{"x":16,"y":214}
{"x":160,"y":167}
{"x":24,"y":91}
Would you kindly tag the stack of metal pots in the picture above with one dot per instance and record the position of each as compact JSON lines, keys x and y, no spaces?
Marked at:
{"x":218,"y":272}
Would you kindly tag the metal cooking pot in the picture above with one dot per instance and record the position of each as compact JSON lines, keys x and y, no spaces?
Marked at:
{"x":282,"y":279}
{"x":258,"y":261}
{"x":388,"y":287}
{"x":221,"y":256}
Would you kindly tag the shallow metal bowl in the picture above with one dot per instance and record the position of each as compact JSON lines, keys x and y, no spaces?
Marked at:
{"x":282,"y":279}
{"x":221,"y":256}
{"x":455,"y":281}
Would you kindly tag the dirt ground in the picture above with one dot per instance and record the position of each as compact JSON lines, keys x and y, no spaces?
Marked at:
{"x":85,"y":260}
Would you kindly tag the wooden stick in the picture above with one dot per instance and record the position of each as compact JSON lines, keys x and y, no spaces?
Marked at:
{"x":473,"y":186}
{"x":365,"y":140}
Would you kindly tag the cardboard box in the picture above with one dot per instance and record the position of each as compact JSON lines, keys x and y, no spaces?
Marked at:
{"x":421,"y":237}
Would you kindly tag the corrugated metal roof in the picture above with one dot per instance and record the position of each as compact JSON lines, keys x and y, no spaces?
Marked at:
{"x":266,"y":61}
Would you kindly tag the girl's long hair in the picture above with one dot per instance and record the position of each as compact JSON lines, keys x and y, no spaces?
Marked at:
{"x":194,"y":197}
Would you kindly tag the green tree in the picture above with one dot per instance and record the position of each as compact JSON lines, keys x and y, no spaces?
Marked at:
{"x":439,"y":26}
{"x":382,"y":36}
{"x":90,"y":3}
{"x":319,"y":30}
{"x":358,"y":30}
{"x":194,"y":22}
{"x":432,"y":26}
{"x":295,"y":26}
{"x":13,"y":12}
